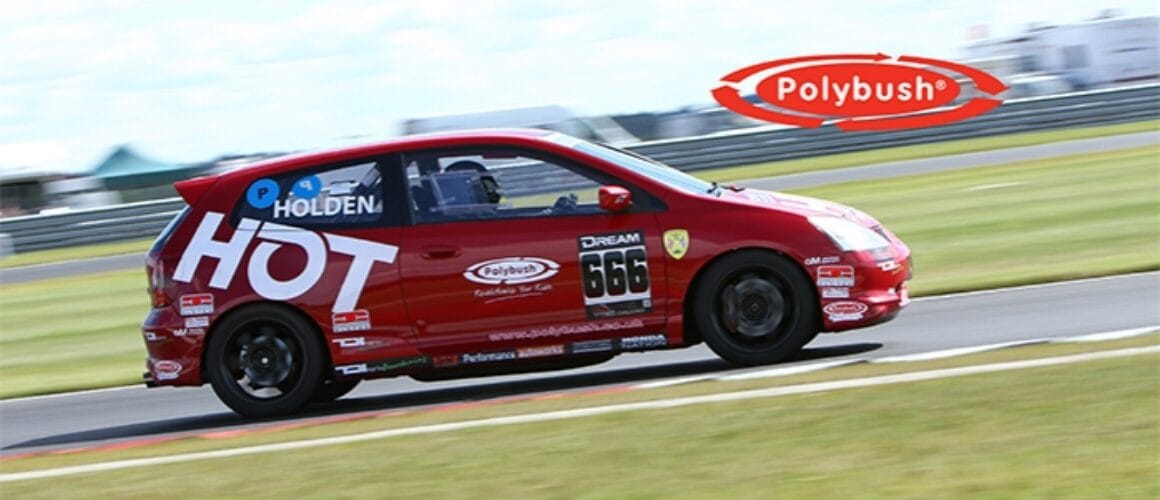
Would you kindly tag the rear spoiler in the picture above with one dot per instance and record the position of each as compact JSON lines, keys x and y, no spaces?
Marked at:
{"x":192,"y":190}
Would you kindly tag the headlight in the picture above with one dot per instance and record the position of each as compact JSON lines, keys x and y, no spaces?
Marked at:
{"x":849,"y":236}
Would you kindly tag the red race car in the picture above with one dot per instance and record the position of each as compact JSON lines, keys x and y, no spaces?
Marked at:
{"x":486,"y":252}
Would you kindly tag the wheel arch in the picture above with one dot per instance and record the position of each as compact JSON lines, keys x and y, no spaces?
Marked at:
{"x":691,"y":332}
{"x":242,"y":307}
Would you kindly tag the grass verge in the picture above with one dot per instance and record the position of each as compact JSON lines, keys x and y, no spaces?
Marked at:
{"x":74,"y":253}
{"x":1081,"y":429}
{"x":1028,"y":222}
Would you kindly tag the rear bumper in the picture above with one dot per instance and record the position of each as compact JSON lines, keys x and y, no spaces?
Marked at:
{"x":174,"y":349}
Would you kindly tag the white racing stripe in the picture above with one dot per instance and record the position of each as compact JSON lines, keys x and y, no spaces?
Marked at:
{"x":582,"y":412}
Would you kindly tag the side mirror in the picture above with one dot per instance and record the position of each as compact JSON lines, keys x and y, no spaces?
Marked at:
{"x":615,"y":198}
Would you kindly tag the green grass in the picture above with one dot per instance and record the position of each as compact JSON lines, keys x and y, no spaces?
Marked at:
{"x":825,"y":162}
{"x":72,"y":333}
{"x":1087,"y":429}
{"x":829,"y":162}
{"x":74,"y":253}
{"x":1087,"y":215}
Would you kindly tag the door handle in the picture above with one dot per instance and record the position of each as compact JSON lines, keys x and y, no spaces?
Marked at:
{"x":440,"y":252}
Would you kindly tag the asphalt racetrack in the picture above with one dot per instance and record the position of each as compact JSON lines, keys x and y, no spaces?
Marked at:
{"x":928,"y":324}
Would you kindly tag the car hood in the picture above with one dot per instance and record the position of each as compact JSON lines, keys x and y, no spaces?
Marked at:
{"x":800,"y":205}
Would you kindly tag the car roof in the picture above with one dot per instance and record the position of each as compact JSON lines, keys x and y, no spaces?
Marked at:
{"x":417,"y":141}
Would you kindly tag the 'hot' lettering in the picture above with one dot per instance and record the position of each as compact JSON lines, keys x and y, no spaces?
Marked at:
{"x":229,"y":256}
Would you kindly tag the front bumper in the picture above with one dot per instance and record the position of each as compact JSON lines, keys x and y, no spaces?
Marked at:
{"x":878,"y":294}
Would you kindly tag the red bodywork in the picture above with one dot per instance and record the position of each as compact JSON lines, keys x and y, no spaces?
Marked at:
{"x":416,"y":313}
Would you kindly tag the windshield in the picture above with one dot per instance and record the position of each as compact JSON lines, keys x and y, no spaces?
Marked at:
{"x":639,"y":164}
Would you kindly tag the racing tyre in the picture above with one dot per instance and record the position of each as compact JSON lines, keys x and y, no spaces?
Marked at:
{"x":331,"y":390}
{"x":755,"y":307}
{"x":265,"y":361}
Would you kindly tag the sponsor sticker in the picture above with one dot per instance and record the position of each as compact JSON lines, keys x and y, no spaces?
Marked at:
{"x":511,"y":271}
{"x":308,"y":198}
{"x":188,"y":332}
{"x":835,"y":293}
{"x":566,"y":330}
{"x":539,"y":352}
{"x":351,"y":321}
{"x":197,"y":322}
{"x":151,"y":336}
{"x":166,"y":369}
{"x":445,"y":361}
{"x":889,"y":265}
{"x":384,"y":366}
{"x":837,"y":276}
{"x":676,"y":243}
{"x":643,"y":342}
{"x":350,"y":342}
{"x":588,"y":346}
{"x":614,"y":274}
{"x":196,"y":304}
{"x":845,"y":311}
{"x":817,"y":261}
{"x":859,"y":91}
{"x":487,"y":357}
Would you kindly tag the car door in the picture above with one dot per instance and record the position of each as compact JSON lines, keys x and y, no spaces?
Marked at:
{"x":509,"y":256}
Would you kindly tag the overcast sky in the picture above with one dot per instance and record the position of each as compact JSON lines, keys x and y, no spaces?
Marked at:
{"x":187,"y":81}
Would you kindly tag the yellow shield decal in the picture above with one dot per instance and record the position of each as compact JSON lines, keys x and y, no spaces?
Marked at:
{"x":676,"y":243}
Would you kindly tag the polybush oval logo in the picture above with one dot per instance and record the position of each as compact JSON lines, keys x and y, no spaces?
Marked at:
{"x":860,"y":91}
{"x":511,"y":271}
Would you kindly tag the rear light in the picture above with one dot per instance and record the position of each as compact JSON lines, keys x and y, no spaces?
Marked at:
{"x":158,"y":284}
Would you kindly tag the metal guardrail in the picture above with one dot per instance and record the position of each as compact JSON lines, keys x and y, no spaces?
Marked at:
{"x":1104,"y":107}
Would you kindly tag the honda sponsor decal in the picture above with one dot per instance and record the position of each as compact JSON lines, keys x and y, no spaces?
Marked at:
{"x":643,"y":342}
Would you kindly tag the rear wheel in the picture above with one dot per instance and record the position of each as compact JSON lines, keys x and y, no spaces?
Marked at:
{"x":265,"y":361}
{"x":755,"y":307}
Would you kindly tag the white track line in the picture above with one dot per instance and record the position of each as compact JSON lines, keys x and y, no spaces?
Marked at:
{"x":1113,"y":335}
{"x":1051,"y":284}
{"x":958,"y":351}
{"x":791,"y":370}
{"x":582,"y":412}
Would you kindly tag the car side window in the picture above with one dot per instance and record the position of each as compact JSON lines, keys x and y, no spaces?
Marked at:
{"x":497,"y":184}
{"x":343,"y":194}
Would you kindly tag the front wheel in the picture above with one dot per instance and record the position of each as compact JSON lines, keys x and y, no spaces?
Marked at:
{"x":755,"y":307}
{"x":265,"y":361}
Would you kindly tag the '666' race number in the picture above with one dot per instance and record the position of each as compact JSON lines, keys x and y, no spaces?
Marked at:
{"x":614,"y":270}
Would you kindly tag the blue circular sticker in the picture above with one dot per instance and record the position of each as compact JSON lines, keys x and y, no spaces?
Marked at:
{"x":262,"y":193}
{"x":307,"y":187}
